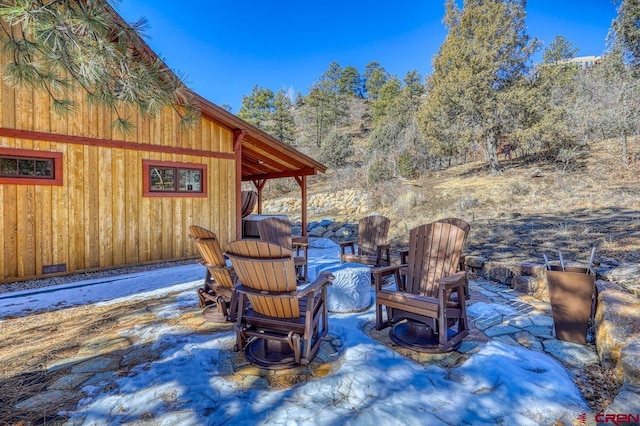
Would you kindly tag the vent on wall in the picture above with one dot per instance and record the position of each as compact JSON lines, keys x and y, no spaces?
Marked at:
{"x":51,"y":269}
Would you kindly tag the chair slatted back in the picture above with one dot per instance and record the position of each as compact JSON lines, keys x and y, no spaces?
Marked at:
{"x":372,"y":232}
{"x":276,"y":230}
{"x":211,"y":252}
{"x":460,"y":223}
{"x":434,"y":251}
{"x":264,"y":266}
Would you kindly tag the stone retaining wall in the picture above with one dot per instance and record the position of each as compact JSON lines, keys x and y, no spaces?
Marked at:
{"x":616,"y":323}
{"x":346,"y":202}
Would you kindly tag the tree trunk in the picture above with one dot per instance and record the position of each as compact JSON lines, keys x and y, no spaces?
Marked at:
{"x":492,"y":146}
{"x":625,"y":150}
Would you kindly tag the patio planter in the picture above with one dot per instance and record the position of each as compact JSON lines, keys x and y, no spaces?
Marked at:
{"x":571,"y":293}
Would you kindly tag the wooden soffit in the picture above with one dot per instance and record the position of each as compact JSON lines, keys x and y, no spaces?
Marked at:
{"x":263,"y":156}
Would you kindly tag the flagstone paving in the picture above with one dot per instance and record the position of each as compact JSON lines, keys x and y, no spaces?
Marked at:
{"x":496,"y":312}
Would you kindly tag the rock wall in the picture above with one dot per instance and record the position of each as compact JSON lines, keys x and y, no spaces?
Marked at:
{"x":616,"y":321}
{"x":344,"y":203}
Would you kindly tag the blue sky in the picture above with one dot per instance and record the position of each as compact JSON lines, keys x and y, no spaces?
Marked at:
{"x":224,"y":48}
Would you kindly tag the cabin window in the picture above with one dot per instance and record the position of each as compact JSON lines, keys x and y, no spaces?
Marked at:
{"x":174,"y":179}
{"x":27,"y":167}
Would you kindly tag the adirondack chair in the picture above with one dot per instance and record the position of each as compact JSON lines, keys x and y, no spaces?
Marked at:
{"x":460,"y":223}
{"x":280,"y":326}
{"x":428,"y":309}
{"x":278,"y":231}
{"x":217,"y":296}
{"x":373,"y":248}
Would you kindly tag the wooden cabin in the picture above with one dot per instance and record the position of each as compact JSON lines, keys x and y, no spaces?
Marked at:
{"x":76,"y":196}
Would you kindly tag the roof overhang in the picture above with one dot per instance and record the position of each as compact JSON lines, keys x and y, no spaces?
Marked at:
{"x":263,"y":156}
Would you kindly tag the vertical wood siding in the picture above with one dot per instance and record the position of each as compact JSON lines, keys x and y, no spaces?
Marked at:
{"x":98,"y":218}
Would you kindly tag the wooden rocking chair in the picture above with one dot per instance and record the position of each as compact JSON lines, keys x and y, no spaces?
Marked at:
{"x":428,"y":310}
{"x":278,"y":231}
{"x":460,"y":223}
{"x":281,"y":326}
{"x":373,"y":248}
{"x":217,"y":296}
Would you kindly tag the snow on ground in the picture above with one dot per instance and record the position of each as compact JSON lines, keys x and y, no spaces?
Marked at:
{"x":370,"y":384}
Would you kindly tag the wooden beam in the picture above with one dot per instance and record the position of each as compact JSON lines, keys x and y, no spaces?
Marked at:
{"x":259,"y":184}
{"x":108,"y":143}
{"x":302,"y":181}
{"x":237,"y":147}
{"x":278,"y":175}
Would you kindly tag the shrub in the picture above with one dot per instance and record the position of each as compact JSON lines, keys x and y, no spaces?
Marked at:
{"x":336,"y":148}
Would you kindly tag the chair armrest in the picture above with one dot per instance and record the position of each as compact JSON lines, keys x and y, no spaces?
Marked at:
{"x":301,"y":243}
{"x":404,"y":253}
{"x":322,"y":279}
{"x":345,"y":244}
{"x":452,"y":281}
{"x":216,"y":267}
{"x":384,"y":246}
{"x":383,"y":270}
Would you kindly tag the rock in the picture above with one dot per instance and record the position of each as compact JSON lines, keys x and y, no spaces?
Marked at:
{"x":54,"y":399}
{"x":296,"y":230}
{"x":571,"y":353}
{"x":498,"y":272}
{"x":328,"y":234}
{"x":342,"y":233}
{"x":627,"y":276}
{"x":334,"y":226}
{"x":535,"y":286}
{"x":528,"y":268}
{"x":326,"y":223}
{"x":617,"y":324}
{"x":317,"y":231}
{"x":312,"y":225}
{"x":630,"y":364}
{"x":475,"y":261}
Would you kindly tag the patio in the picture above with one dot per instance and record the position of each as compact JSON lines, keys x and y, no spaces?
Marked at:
{"x":147,"y":354}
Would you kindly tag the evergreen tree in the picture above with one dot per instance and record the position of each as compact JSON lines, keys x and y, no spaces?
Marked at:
{"x":373,"y":79}
{"x":545,"y":122}
{"x":626,"y":30}
{"x":351,"y":82}
{"x":473,"y":91}
{"x":388,"y":96}
{"x":413,"y":87}
{"x":57,"y":46}
{"x":283,"y":127}
{"x":257,"y":108}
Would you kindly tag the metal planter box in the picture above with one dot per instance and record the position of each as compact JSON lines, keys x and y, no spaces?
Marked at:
{"x":571,"y":293}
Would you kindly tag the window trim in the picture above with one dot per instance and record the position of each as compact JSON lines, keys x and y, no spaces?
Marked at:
{"x":146,"y":180}
{"x":31,"y":154}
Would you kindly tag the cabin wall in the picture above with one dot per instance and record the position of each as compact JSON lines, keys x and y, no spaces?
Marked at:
{"x":98,"y":217}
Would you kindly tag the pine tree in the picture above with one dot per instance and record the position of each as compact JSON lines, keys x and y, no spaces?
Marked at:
{"x":257,"y":108}
{"x":473,"y":89}
{"x":626,"y":30}
{"x":373,"y":79}
{"x":57,"y":46}
{"x":284,"y":126}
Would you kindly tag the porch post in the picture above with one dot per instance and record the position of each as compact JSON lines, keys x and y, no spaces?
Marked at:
{"x":237,"y":148}
{"x":259,"y":184}
{"x":302,"y":181}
